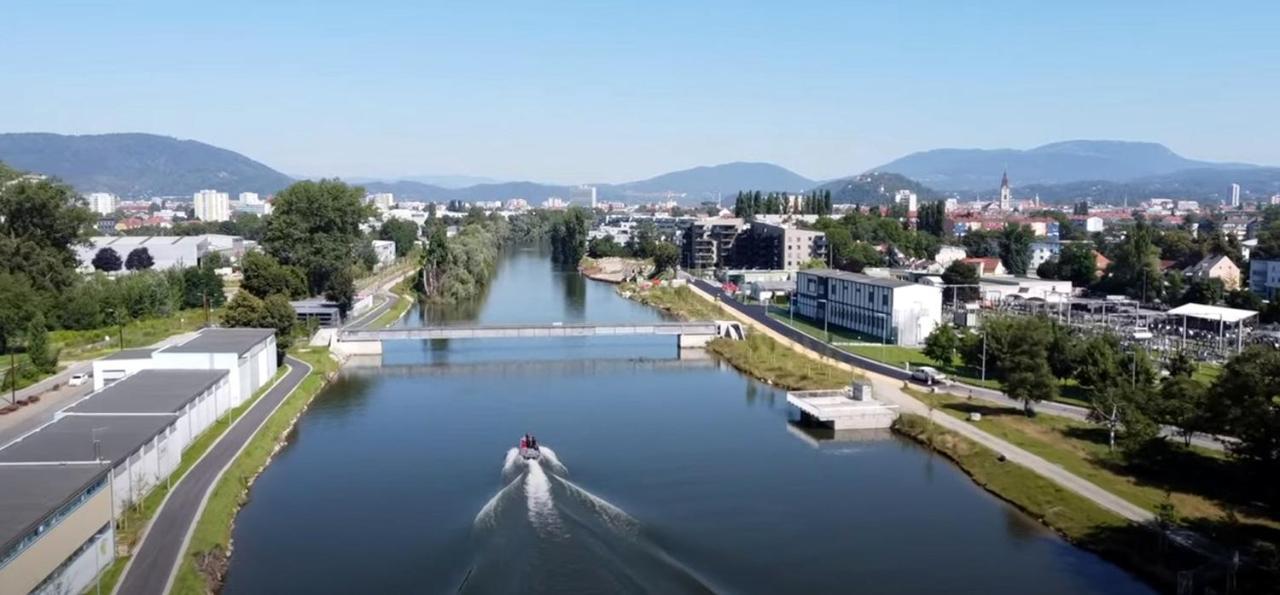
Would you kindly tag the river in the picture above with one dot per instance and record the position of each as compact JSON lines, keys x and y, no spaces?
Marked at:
{"x":673,"y":476}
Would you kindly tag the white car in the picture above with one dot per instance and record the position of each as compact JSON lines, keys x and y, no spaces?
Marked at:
{"x":928,"y":375}
{"x":78,"y":379}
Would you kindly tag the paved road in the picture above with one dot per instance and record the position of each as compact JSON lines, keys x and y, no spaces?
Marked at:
{"x":155,"y":560}
{"x":759,"y":314}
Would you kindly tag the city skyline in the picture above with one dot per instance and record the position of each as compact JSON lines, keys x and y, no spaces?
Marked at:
{"x":618,"y":93}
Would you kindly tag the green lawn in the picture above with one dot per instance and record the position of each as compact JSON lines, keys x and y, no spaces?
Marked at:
{"x":1201,"y":484}
{"x":135,"y":518}
{"x":212,"y":534}
{"x":404,"y":301}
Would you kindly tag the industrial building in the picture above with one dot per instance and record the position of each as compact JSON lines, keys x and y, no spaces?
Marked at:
{"x":66,"y":481}
{"x":167,"y":252}
{"x":887,"y":310}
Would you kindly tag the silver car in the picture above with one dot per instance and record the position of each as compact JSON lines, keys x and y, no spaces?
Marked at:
{"x":928,"y":375}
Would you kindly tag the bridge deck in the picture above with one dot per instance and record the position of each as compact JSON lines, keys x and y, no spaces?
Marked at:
{"x":512,"y":331}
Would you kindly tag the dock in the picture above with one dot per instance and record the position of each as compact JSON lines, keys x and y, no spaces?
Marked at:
{"x":850,"y":408}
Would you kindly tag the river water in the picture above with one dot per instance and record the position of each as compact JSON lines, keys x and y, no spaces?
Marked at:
{"x":668,"y":475}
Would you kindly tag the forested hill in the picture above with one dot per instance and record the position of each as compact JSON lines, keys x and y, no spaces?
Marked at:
{"x":875,"y":188}
{"x":138,"y":165}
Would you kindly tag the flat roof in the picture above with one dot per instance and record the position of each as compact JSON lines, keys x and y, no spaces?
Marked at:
{"x":223,"y":340}
{"x":150,"y":391}
{"x":70,"y":438}
{"x":1214,"y":313}
{"x":858,"y":278}
{"x":143,"y":353}
{"x":33,"y":492}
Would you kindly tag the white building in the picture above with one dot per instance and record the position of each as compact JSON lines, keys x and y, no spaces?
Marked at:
{"x":382,"y":200}
{"x":889,"y":310}
{"x":386,"y":251}
{"x":247,"y":354}
{"x":906,"y":197}
{"x":211,"y":205}
{"x":517,"y":204}
{"x":102,"y":203}
{"x":250,"y":198}
{"x":1235,"y":196}
{"x":583,"y":195}
{"x":554,"y":202}
{"x":948,"y":254}
{"x":167,"y":252}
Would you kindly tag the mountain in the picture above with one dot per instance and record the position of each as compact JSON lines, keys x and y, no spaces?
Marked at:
{"x":138,"y":165}
{"x":875,"y":188}
{"x":409,"y":190}
{"x":1056,"y":163}
{"x":441,"y":181}
{"x":708,"y":181}
{"x":1205,"y":185}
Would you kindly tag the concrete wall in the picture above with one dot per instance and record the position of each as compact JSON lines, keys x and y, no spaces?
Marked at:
{"x":29,"y":569}
{"x":134,"y":477}
{"x":107,"y":371}
{"x":78,"y":574}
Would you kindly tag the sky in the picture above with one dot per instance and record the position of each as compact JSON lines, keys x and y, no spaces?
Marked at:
{"x":574,"y":92}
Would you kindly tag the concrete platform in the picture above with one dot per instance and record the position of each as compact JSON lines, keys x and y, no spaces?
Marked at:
{"x":845,"y":409}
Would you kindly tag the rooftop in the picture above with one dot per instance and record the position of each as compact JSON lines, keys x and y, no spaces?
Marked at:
{"x":1214,"y":313}
{"x":857,"y":278}
{"x":32,"y":492}
{"x":131,"y":354}
{"x":223,"y":340}
{"x":70,"y":438}
{"x":150,"y":391}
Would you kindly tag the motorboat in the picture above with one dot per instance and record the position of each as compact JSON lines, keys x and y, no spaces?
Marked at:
{"x":530,"y":453}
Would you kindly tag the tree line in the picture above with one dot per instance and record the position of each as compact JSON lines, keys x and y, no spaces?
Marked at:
{"x":749,"y":204}
{"x":644,"y":242}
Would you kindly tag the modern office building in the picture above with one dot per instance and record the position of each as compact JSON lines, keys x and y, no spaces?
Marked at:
{"x":708,"y":243}
{"x":778,"y":247}
{"x":102,"y":203}
{"x":1235,"y":196}
{"x":888,"y":310}
{"x":382,"y":200}
{"x":1264,"y":278}
{"x":211,"y":205}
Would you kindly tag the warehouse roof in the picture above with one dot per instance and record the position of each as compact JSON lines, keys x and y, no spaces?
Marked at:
{"x":858,"y":278}
{"x":1214,"y":313}
{"x":33,"y":492}
{"x":71,"y":438}
{"x":223,"y":340}
{"x":131,"y":354}
{"x":150,"y":391}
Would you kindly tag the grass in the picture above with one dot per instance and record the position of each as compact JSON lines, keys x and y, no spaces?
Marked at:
{"x":135,"y":518}
{"x":1076,"y":518}
{"x":1201,"y":484}
{"x":212,"y":535}
{"x":681,"y":302}
{"x":81,"y":345}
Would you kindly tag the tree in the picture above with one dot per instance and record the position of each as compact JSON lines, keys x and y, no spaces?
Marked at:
{"x":42,"y":357}
{"x":1076,"y":263}
{"x":569,"y":237}
{"x":1183,"y":403}
{"x":960,"y":273}
{"x":1181,"y":365}
{"x":1244,"y":405}
{"x":665,"y":257}
{"x":605,"y":247}
{"x":18,"y":306}
{"x":264,"y":276}
{"x":246,"y":310}
{"x":1135,"y":266}
{"x":1015,"y":248}
{"x":932,"y":218}
{"x":41,"y":223}
{"x":342,"y":290}
{"x":1025,"y":365}
{"x":282,"y":317}
{"x":940,"y":346}
{"x":139,"y":259}
{"x":315,"y":226}
{"x":1048,"y":269}
{"x":1204,"y":291}
{"x":403,"y":233}
{"x":202,"y":286}
{"x":107,"y":260}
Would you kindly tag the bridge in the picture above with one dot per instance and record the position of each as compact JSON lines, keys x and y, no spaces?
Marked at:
{"x":688,"y":334}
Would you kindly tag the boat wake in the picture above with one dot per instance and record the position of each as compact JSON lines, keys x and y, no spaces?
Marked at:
{"x":543,"y":533}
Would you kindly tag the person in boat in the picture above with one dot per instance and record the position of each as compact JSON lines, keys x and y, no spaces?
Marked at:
{"x":533,"y":441}
{"x":524,"y":441}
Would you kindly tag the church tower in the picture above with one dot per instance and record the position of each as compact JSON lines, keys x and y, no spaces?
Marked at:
{"x":1006,"y":193}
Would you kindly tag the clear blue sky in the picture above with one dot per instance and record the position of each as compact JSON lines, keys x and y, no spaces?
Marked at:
{"x":613,"y":91}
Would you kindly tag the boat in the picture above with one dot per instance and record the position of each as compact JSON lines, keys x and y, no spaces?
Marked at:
{"x":530,"y":453}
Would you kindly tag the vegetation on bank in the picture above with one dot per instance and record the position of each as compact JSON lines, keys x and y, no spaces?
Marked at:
{"x":130,"y":526}
{"x":404,"y":300}
{"x":456,"y":269}
{"x":203,"y":565}
{"x":758,"y":355}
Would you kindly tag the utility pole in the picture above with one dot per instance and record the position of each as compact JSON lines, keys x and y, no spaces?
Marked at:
{"x":204,"y":296}
{"x":984,"y":355}
{"x":13,"y":375}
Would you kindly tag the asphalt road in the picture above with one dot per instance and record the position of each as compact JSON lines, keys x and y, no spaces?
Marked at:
{"x":155,"y":560}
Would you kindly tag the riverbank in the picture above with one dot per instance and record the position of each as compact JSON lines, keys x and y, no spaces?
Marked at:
{"x":758,"y":356}
{"x":204,"y":562}
{"x":614,"y":269}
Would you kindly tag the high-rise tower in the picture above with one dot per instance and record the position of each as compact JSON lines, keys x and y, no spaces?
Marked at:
{"x":1006,"y":193}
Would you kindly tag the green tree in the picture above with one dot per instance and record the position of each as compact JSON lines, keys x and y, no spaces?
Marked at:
{"x":264,"y":276}
{"x":19,"y":304}
{"x":1025,"y":365}
{"x":42,"y":357}
{"x":342,"y":290}
{"x":1048,"y":269}
{"x":1015,"y":248}
{"x":1076,"y":263}
{"x":1135,"y":265}
{"x":605,"y":247}
{"x":403,"y":233}
{"x":41,"y":223}
{"x":940,"y":346}
{"x":569,"y":237}
{"x":1204,"y":291}
{"x":1181,"y":365}
{"x":246,"y":310}
{"x":1183,"y":403}
{"x":1244,"y":405}
{"x":282,"y":317}
{"x":107,"y":260}
{"x":957,"y":274}
{"x":139,"y":259}
{"x":315,"y":226}
{"x":666,"y":257}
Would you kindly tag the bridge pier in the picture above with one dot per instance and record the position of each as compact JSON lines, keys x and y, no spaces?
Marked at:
{"x":354,"y":348}
{"x":689,"y":341}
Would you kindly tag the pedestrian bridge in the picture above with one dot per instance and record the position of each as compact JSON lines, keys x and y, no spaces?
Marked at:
{"x":687,"y":334}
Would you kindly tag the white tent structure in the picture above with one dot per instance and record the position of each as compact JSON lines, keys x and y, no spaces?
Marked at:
{"x":1221,"y":315}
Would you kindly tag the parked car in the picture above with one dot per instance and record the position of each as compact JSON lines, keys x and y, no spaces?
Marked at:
{"x":928,"y":375}
{"x":78,"y":379}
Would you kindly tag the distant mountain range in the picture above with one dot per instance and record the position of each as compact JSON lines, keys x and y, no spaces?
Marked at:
{"x":1057,"y":163}
{"x":143,"y":165}
{"x":138,"y":165}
